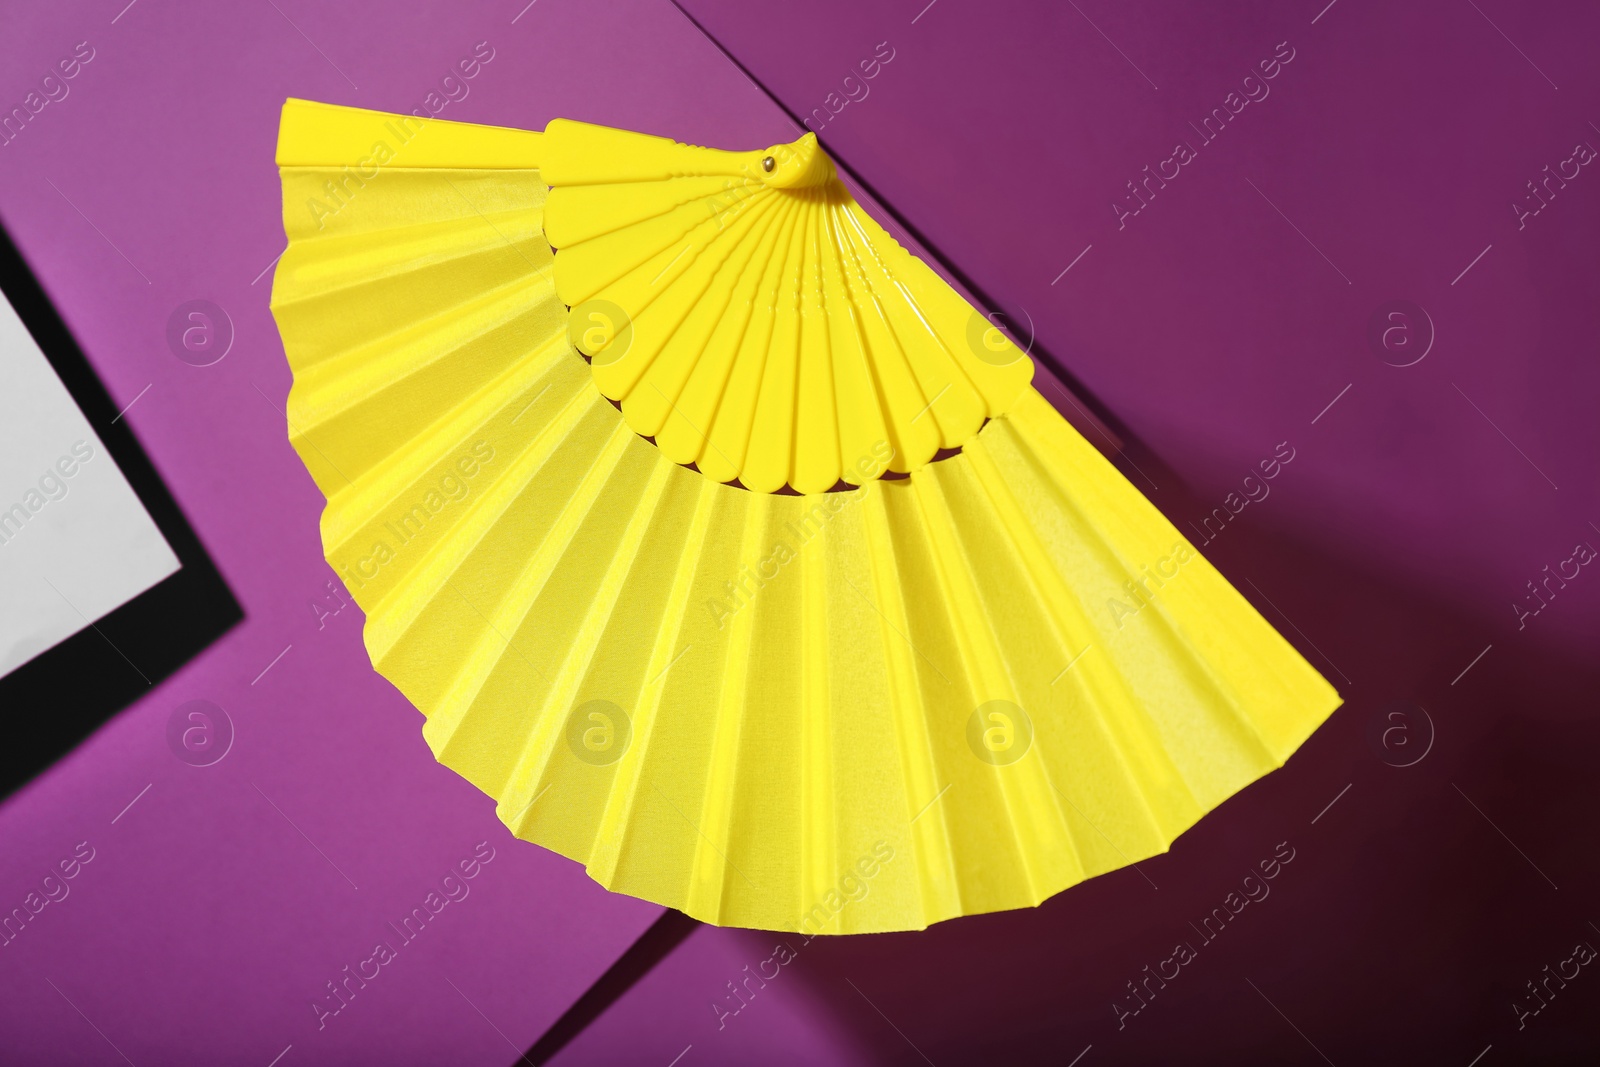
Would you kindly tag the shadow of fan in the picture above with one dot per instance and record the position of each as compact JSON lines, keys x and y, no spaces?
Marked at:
{"x":1424,"y":851}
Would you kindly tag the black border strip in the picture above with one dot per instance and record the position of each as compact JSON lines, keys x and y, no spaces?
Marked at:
{"x":60,"y":697}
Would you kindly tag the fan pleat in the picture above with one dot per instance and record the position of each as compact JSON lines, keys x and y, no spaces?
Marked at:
{"x":824,"y":739}
{"x":1035,"y":617}
{"x":668,"y":566}
{"x":595,"y":570}
{"x":978,"y":675}
{"x":412,"y":580}
{"x":916,"y":712}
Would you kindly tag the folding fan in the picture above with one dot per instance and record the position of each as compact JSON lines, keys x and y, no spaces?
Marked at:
{"x":729,"y":549}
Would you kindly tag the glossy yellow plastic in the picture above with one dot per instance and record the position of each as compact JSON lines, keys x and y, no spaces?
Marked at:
{"x":733,"y":273}
{"x":864,"y":710}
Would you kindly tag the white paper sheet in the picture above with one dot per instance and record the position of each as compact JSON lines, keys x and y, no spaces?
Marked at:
{"x":75,"y":542}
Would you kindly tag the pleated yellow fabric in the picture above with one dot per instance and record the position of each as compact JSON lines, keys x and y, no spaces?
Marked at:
{"x":865,"y":710}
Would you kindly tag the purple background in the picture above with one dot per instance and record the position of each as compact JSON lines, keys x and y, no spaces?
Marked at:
{"x":1224,"y":318}
{"x":206,"y":924}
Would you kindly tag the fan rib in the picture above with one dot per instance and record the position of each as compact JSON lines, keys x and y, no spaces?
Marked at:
{"x":678,"y":351}
{"x":816,"y":458}
{"x":898,"y":393}
{"x":684,"y":434}
{"x":955,"y":408}
{"x":728,"y":436}
{"x":767,"y":465}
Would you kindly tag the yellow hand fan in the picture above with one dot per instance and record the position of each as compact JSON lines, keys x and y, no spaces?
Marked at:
{"x":793,"y":605}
